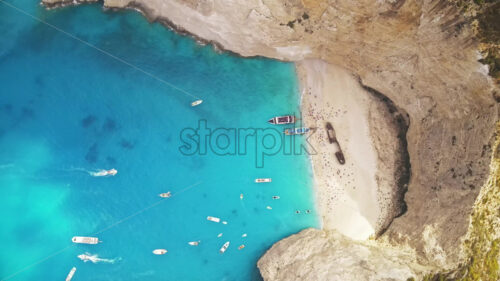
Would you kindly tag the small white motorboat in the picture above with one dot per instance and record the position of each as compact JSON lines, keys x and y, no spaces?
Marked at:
{"x":219,"y":235}
{"x":261,"y":180}
{"x":70,"y":274}
{"x":269,"y":207}
{"x":194,"y":243}
{"x":214,"y":219}
{"x":196,"y":102}
{"x":165,"y":195}
{"x":276,"y":197}
{"x":224,"y":222}
{"x":241,"y":247}
{"x":224,"y":247}
{"x":244,"y":235}
{"x":85,"y":240}
{"x":160,"y":251}
{"x":104,"y":173}
{"x":241,"y":196}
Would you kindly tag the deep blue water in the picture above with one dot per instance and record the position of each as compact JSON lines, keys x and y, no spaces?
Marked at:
{"x":67,"y":109}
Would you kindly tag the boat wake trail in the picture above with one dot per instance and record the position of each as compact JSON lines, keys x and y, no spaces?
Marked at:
{"x":95,"y":258}
{"x":94,"y":173}
{"x":103,"y":173}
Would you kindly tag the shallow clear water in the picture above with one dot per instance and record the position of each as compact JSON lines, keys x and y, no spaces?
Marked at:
{"x":67,"y":109}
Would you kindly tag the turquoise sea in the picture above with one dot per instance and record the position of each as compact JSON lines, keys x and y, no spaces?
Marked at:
{"x":67,"y":109}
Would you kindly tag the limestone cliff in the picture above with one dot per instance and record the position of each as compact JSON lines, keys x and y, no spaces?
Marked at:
{"x":332,"y":256}
{"x":420,"y":54}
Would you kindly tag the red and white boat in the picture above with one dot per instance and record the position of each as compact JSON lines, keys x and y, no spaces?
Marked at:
{"x":214,"y":219}
{"x":279,"y":120}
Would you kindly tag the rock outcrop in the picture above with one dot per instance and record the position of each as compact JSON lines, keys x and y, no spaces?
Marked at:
{"x":331,"y":256}
{"x":420,"y":54}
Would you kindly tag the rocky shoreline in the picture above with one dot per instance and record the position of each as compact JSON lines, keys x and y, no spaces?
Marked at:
{"x":404,"y":52}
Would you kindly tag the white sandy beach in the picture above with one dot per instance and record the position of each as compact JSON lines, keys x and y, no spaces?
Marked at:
{"x":346,"y":194}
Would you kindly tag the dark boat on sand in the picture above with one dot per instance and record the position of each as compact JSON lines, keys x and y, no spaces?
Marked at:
{"x":279,"y":120}
{"x":330,"y":132}
{"x":332,"y":138}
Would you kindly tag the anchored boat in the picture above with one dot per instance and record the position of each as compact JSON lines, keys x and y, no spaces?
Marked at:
{"x":263,"y":180}
{"x":160,"y":251}
{"x":85,"y":240}
{"x":279,"y":120}
{"x":194,"y":243}
{"x":165,"y":195}
{"x":296,"y":131}
{"x":196,"y":102}
{"x":214,"y":219}
{"x":70,"y":274}
{"x":224,"y":247}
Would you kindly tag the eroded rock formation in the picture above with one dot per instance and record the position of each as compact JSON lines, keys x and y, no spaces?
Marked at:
{"x":332,"y":256}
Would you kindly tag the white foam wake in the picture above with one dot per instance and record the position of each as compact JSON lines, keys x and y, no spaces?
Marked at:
{"x":95,"y":258}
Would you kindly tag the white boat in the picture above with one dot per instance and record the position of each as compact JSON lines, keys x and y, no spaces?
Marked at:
{"x":224,"y":247}
{"x":269,"y":207}
{"x":241,"y":196}
{"x":214,"y":219}
{"x":276,"y":197}
{"x":241,"y":247}
{"x":165,"y":195}
{"x":160,"y":251}
{"x":85,"y":240}
{"x":70,"y":274}
{"x":224,"y":222}
{"x":219,"y":235}
{"x":263,"y":180}
{"x":244,"y":235}
{"x":196,"y":102}
{"x":104,"y":173}
{"x":194,"y":243}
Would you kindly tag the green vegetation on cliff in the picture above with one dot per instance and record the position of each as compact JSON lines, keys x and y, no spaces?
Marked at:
{"x":482,"y":245}
{"x":485,"y":17}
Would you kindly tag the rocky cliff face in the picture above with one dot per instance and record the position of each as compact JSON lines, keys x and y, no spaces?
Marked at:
{"x":421,"y":54}
{"x":332,"y":256}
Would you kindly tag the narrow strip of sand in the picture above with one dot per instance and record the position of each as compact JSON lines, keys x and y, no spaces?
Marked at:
{"x":346,"y":194}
